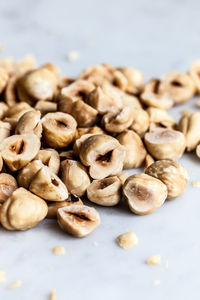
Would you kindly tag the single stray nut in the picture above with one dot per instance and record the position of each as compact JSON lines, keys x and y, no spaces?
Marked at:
{"x":8,"y":185}
{"x":22,"y":210}
{"x":172,"y":174}
{"x":105,"y":192}
{"x":50,"y":158}
{"x":29,"y":123}
{"x":154,"y":260}
{"x":27,"y":173}
{"x":127,"y":240}
{"x":78,"y":220}
{"x":18,"y":150}
{"x":144,"y":194}
{"x":48,"y":185}
{"x":165,"y":143}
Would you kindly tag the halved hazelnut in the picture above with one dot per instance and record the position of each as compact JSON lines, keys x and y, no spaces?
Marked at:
{"x":103,"y":154}
{"x":18,"y":150}
{"x":3,"y":110}
{"x":98,"y":74}
{"x":78,"y":220}
{"x":140,"y":122}
{"x":79,"y":88}
{"x":10,"y":94}
{"x":90,"y":130}
{"x":30,"y":123}
{"x":50,"y":158}
{"x":148,"y":161}
{"x":75,"y":177}
{"x":144,"y":194}
{"x":8,"y":185}
{"x":172,"y":174}
{"x":165,"y":143}
{"x":120,"y":80}
{"x":58,"y":129}
{"x":4,"y":77}
{"x":78,"y":142}
{"x":1,"y":163}
{"x":194,"y":73}
{"x":27,"y":173}
{"x":105,"y":192}
{"x":68,"y":155}
{"x":15,"y":112}
{"x":48,"y":185}
{"x":160,"y":117}
{"x":46,"y":107}
{"x":197,"y":152}
{"x":135,"y":79}
{"x":5,"y":129}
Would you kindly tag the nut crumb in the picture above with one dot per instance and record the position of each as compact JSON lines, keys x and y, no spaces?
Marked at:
{"x":52,"y":295}
{"x":166,"y":264}
{"x":2,"y":276}
{"x":196,"y":183}
{"x":59,"y":250}
{"x":96,"y":244}
{"x":73,"y":56}
{"x":154,"y":260}
{"x":127,"y":240}
{"x":156,"y":282}
{"x":15,"y":285}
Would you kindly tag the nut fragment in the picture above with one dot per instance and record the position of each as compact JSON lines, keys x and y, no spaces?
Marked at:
{"x":172,"y":174}
{"x":194,"y":72}
{"x":98,"y":74}
{"x":127,"y":240}
{"x":148,"y":161}
{"x":154,"y":260}
{"x":46,"y":107}
{"x":105,"y":192}
{"x":3,"y":79}
{"x":29,"y":123}
{"x":160,"y":117}
{"x":197,"y":152}
{"x":50,"y":158}
{"x":3,"y":110}
{"x":135,"y":79}
{"x":140,"y":122}
{"x":78,"y":220}
{"x":144,"y":193}
{"x":58,"y":250}
{"x":90,"y":130}
{"x":5,"y":129}
{"x":27,"y":173}
{"x":8,"y":185}
{"x":15,"y":112}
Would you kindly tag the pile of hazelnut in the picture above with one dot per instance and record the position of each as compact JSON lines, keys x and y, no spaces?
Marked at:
{"x":63,"y":140}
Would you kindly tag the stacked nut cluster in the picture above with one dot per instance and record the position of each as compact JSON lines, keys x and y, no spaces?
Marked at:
{"x":63,"y":139}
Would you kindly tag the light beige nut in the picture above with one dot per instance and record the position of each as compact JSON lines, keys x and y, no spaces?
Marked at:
{"x":37,"y":85}
{"x":172,"y":174}
{"x":75,"y":177}
{"x":48,"y":185}
{"x":135,"y":79}
{"x":148,"y":161}
{"x":10,"y":95}
{"x":154,"y":260}
{"x":22,"y":210}
{"x":27,"y":173}
{"x":4,"y":77}
{"x":165,"y":143}
{"x":50,"y":158}
{"x":189,"y":125}
{"x":140,"y":122}
{"x":123,"y":176}
{"x":197,"y":152}
{"x":68,"y":155}
{"x":90,"y":130}
{"x":196,"y":183}
{"x":27,"y":63}
{"x":18,"y":150}
{"x":58,"y":129}
{"x":194,"y":72}
{"x":8,"y":185}
{"x":105,"y":192}
{"x":5,"y":130}
{"x":3,"y":110}
{"x":78,"y":220}
{"x":127,"y":240}
{"x":1,"y":163}
{"x":117,"y":122}
{"x":98,"y":74}
{"x":144,"y":194}
{"x":135,"y":150}
{"x":160,"y":117}
{"x":103,"y":154}
{"x":8,"y":64}
{"x":54,"y":206}
{"x":53,"y":69}
{"x":59,"y":250}
{"x":79,"y":88}
{"x":78,"y":142}
{"x":120,"y":80}
{"x":46,"y":107}
{"x":129,"y":99}
{"x":30,"y":123}
{"x":178,"y":86}
{"x":15,"y":112}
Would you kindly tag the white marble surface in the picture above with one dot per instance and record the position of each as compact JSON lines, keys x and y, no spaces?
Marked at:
{"x":154,"y":36}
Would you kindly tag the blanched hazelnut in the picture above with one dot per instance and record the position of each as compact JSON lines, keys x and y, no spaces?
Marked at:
{"x":98,"y":74}
{"x":105,"y":192}
{"x":148,"y":161}
{"x":78,"y":142}
{"x":178,"y":86}
{"x":165,"y":143}
{"x":79,"y":88}
{"x":15,"y":112}
{"x":75,"y":177}
{"x":27,"y":173}
{"x":144,"y":194}
{"x":50,"y":158}
{"x":160,"y":117}
{"x":4,"y":77}
{"x":172,"y":174}
{"x":48,"y":185}
{"x":68,"y":155}
{"x":8,"y":185}
{"x":54,"y":206}
{"x":78,"y":220}
{"x":5,"y":129}
{"x":18,"y":150}
{"x":10,"y":95}
{"x":103,"y":154}
{"x":122,"y":177}
{"x":3,"y":110}
{"x":194,"y":73}
{"x":128,"y":99}
{"x":135,"y":150}
{"x":46,"y":107}
{"x":22,"y":210}
{"x":120,"y":80}
{"x":135,"y":79}
{"x":30,"y":123}
{"x":1,"y":163}
{"x":90,"y":130}
{"x":140,"y":122}
{"x":58,"y":129}
{"x":189,"y":125}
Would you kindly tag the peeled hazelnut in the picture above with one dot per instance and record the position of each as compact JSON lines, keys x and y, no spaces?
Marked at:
{"x":120,"y":80}
{"x":54,"y":206}
{"x":27,"y":63}
{"x":144,"y":193}
{"x":3,"y":110}
{"x":91,"y":130}
{"x":140,"y":122}
{"x":46,"y":107}
{"x":22,"y":210}
{"x":18,"y":150}
{"x":10,"y":91}
{"x":172,"y":174}
{"x":148,"y":161}
{"x":128,"y":99}
{"x":78,"y":142}
{"x":3,"y":79}
{"x":8,"y":64}
{"x":178,"y":86}
{"x":105,"y":192}
{"x":58,"y":129}
{"x":68,"y":155}
{"x":197,"y":153}
{"x":15,"y":112}
{"x":48,"y":186}
{"x":27,"y":173}
{"x":194,"y":73}
{"x":5,"y":129}
{"x":1,"y":163}
{"x":160,"y":117}
{"x":75,"y":177}
{"x":79,"y":88}
{"x":78,"y":220}
{"x":50,"y":158}
{"x":8,"y":185}
{"x":29,"y":123}
{"x":98,"y":74}
{"x":135,"y":79}
{"x":165,"y":143}
{"x":189,"y":125}
{"x":135,"y":150}
{"x":103,"y":154}
{"x":122,"y":177}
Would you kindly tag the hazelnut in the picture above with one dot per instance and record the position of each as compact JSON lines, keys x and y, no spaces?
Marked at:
{"x":27,"y":173}
{"x":165,"y":143}
{"x":78,"y":220}
{"x":120,"y":80}
{"x":18,"y":150}
{"x":144,"y":193}
{"x":103,"y":154}
{"x":8,"y":185}
{"x":105,"y":192}
{"x":197,"y":153}
{"x":135,"y":150}
{"x":29,"y":123}
{"x":160,"y":117}
{"x":98,"y":74}
{"x":48,"y":185}
{"x":46,"y":107}
{"x":58,"y":129}
{"x":78,"y":142}
{"x":135,"y":79}
{"x":91,"y":130}
{"x":15,"y":112}
{"x":4,"y":77}
{"x":10,"y":91}
{"x":148,"y":161}
{"x":172,"y":174}
{"x":122,"y":177}
{"x":140,"y":122}
{"x":1,"y":163}
{"x":22,"y":210}
{"x":3,"y":110}
{"x":127,"y":240}
{"x":50,"y":158}
{"x":5,"y":129}
{"x":194,"y":72}
{"x":68,"y":155}
{"x":79,"y":88}
{"x":75,"y":177}
{"x":128,"y":99}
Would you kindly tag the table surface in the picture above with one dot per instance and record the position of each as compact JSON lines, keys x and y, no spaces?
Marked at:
{"x":155,"y":37}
